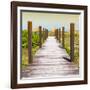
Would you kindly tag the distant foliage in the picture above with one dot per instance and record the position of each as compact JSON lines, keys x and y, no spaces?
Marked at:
{"x":51,"y":33}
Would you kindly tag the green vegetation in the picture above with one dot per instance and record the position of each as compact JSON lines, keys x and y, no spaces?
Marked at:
{"x":24,"y":38}
{"x":67,"y":42}
{"x":76,"y":46}
{"x":24,"y":57}
{"x":35,"y":39}
{"x":35,"y":45}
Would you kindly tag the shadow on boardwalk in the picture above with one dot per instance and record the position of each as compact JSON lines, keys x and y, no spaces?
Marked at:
{"x":50,"y":61}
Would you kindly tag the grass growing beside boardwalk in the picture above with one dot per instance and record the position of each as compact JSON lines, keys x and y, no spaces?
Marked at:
{"x":35,"y":45}
{"x":25,"y":55}
{"x":76,"y":46}
{"x":67,"y":42}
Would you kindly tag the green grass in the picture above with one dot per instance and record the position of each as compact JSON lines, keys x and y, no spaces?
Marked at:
{"x":35,"y":45}
{"x":25,"y":55}
{"x":34,"y":50}
{"x":76,"y":46}
{"x":67,"y":42}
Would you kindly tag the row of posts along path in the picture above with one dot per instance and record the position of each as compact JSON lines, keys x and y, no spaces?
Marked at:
{"x":50,"y":61}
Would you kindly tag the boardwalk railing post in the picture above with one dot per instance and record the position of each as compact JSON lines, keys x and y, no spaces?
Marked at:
{"x":59,"y":36}
{"x":63,"y":36}
{"x":47,"y":33}
{"x":40,"y":36}
{"x":56,"y":33}
{"x":43,"y":35}
{"x":29,"y":42}
{"x":72,"y":41}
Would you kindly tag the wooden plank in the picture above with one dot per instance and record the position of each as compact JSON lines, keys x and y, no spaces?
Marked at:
{"x":40,"y":36}
{"x":29,"y":42}
{"x":63,"y":36}
{"x":72,"y":41}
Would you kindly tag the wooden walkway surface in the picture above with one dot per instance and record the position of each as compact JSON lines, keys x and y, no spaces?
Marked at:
{"x":50,"y":61}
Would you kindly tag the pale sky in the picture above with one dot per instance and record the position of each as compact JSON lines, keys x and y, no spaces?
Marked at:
{"x":50,"y":20}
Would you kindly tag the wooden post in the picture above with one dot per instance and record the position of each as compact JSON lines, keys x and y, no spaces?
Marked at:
{"x":29,"y":42}
{"x":40,"y":36}
{"x":59,"y":36}
{"x":47,"y":33}
{"x":63,"y":36}
{"x":56,"y":34}
{"x":43,"y":34}
{"x":72,"y":41}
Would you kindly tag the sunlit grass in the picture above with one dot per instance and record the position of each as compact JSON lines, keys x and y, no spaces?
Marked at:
{"x":76,"y":46}
{"x":25,"y":55}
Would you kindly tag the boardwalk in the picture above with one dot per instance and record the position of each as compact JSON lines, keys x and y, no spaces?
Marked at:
{"x":50,"y":61}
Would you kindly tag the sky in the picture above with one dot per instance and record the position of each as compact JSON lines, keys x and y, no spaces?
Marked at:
{"x":50,"y":20}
